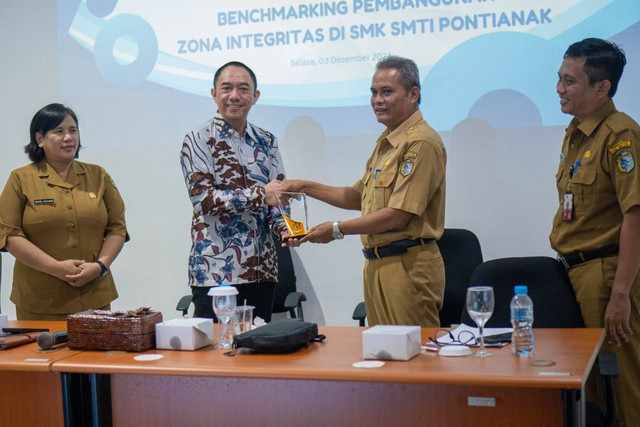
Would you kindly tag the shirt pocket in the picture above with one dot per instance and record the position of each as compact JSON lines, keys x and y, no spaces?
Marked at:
{"x":584,"y":188}
{"x":383,"y":186}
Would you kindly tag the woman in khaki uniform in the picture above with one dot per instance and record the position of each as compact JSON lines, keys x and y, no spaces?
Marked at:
{"x":63,"y":221}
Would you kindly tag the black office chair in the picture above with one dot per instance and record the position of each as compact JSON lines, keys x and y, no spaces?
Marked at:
{"x":183,"y":304}
{"x":286,"y":299}
{"x":554,"y":306}
{"x":360,"y":314}
{"x":461,"y":253}
{"x":554,"y":303}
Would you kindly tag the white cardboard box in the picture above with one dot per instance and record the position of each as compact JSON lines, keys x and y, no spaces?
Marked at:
{"x":391,"y":342}
{"x":184,"y":334}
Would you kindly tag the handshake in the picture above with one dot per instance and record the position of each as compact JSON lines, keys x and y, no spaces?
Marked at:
{"x":275,"y":188}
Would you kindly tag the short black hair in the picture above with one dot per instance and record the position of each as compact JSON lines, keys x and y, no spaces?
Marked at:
{"x":604,"y":60}
{"x":47,"y":118}
{"x":236,"y":64}
{"x":409,"y":74}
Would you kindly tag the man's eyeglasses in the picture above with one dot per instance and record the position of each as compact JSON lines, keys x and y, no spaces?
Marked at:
{"x":445,"y":337}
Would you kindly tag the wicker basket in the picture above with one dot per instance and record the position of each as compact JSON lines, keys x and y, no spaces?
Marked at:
{"x":133,"y":330}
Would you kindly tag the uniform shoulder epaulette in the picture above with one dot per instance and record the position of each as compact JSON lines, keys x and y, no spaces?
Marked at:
{"x":619,"y":122}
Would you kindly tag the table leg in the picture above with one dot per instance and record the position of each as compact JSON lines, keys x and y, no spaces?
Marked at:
{"x":573,"y":408}
{"x":86,"y":400}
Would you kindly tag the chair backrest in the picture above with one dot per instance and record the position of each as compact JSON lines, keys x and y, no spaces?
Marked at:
{"x":286,"y":279}
{"x":554,"y":302}
{"x":461,"y":254}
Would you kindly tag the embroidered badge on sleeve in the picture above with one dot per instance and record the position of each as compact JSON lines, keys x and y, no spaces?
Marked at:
{"x":406,"y":167}
{"x":619,"y":146}
{"x":410,"y":155}
{"x":625,"y":162}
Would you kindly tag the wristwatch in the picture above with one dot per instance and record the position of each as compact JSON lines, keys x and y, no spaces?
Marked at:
{"x":337,"y":234}
{"x":104,"y":268}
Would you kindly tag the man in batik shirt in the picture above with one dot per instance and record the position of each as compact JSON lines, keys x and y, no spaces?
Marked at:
{"x":232,"y":170}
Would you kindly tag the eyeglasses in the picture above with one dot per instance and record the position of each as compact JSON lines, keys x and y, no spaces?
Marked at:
{"x":445,"y":337}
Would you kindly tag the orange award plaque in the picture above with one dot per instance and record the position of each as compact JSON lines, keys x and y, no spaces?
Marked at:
{"x":293,"y":208}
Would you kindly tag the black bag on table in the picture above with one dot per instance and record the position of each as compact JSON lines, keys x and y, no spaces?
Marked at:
{"x":281,"y":336}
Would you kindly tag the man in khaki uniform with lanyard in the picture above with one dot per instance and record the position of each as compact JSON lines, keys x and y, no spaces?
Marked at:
{"x":596,"y":230}
{"x":401,"y":196}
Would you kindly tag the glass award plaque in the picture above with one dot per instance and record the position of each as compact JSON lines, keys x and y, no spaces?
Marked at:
{"x":293,"y":208}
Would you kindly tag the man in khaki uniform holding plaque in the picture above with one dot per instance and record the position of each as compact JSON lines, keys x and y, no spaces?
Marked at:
{"x":596,"y":230}
{"x":401,"y":196}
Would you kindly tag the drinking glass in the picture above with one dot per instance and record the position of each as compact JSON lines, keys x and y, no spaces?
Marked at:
{"x":224,"y":306}
{"x":480,"y":302}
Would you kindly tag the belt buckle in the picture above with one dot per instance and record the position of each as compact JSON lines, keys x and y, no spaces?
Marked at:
{"x":564,"y":262}
{"x":376,"y":255}
{"x":370,"y":253}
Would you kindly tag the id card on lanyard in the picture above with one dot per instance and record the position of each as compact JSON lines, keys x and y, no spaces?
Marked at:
{"x":567,"y":198}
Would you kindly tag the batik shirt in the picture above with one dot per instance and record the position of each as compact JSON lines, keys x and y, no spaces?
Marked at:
{"x":232,"y":229}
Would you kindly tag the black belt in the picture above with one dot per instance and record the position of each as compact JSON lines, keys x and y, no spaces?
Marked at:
{"x":576,"y":258}
{"x":395,"y":248}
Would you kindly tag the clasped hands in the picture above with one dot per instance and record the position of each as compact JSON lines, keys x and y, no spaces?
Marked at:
{"x":321,"y":233}
{"x":77,"y":272}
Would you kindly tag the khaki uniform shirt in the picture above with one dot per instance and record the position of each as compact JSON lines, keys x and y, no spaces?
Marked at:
{"x":406,"y":171}
{"x":604,"y":186}
{"x":67,"y":220}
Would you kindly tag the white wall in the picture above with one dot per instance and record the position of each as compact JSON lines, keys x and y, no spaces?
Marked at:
{"x":28,"y":78}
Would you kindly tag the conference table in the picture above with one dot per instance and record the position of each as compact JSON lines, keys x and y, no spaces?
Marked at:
{"x":320,"y":386}
{"x":30,"y":393}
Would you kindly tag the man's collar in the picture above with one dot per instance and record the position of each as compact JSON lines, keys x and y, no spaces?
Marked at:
{"x":399,"y":134}
{"x":591,"y":122}
{"x":226,"y":129}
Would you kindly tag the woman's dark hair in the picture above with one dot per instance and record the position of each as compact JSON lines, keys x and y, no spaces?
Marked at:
{"x":47,"y":118}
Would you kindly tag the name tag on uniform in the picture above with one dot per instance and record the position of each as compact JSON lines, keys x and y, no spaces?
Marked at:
{"x":43,"y":202}
{"x":567,"y":206}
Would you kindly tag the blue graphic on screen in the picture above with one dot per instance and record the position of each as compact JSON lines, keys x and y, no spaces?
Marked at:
{"x":476,"y":77}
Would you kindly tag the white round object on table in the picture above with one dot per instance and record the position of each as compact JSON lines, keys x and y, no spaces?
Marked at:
{"x":368,"y":364}
{"x":148,"y":357}
{"x":455,"y":351}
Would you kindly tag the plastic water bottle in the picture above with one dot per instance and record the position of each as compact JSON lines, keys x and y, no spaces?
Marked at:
{"x":522,"y":321}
